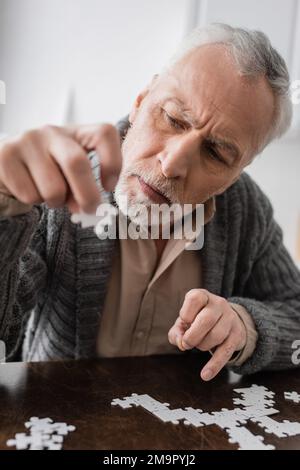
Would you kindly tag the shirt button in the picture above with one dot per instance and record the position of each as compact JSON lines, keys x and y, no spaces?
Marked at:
{"x":140,"y":335}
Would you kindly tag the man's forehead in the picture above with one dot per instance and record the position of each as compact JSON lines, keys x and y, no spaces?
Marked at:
{"x":249,"y":108}
{"x":172,"y":93}
{"x":172,"y":88}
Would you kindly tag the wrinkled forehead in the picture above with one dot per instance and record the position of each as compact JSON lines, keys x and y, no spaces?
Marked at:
{"x":208,"y":84}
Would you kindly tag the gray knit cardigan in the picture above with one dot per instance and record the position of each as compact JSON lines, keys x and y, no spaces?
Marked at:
{"x":54,"y":277}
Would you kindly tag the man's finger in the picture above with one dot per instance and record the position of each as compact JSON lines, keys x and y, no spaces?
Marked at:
{"x":48,"y":178}
{"x":105,"y":140}
{"x":221,"y":356}
{"x":216,"y":335}
{"x":201,"y":326}
{"x":19,"y":182}
{"x":176,"y":333}
{"x":76,"y":168}
{"x":195,"y":300}
{"x":109,"y":149}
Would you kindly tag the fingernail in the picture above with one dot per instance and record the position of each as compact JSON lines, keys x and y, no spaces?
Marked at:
{"x":179,"y":343}
{"x":207,"y":374}
{"x":186,"y":346}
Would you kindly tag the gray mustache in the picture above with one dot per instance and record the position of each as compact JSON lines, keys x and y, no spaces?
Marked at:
{"x":168,"y":188}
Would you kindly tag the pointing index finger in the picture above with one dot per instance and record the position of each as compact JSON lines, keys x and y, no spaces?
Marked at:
{"x":219,"y":359}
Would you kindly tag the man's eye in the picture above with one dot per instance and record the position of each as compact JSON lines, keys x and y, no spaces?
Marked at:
{"x":173,"y":122}
{"x":214,"y":154}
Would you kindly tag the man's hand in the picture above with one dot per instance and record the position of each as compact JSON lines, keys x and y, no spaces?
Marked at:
{"x":51,"y":165}
{"x":208,"y":322}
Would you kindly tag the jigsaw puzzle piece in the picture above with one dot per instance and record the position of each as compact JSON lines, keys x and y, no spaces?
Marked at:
{"x":246,"y":440}
{"x":283,"y":429}
{"x":292,"y":396}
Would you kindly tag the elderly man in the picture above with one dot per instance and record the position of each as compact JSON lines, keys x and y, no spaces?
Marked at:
{"x":67,"y":294}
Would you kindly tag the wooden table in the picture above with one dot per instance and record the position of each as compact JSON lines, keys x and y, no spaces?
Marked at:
{"x":80,"y":393}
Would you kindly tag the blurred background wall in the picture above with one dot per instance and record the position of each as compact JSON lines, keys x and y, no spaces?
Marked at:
{"x":84,"y":61}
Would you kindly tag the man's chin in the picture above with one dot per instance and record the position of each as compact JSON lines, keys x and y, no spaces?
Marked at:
{"x":142,"y":212}
{"x":129,"y":205}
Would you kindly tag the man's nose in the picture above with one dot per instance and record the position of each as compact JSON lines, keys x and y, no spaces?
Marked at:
{"x":178,"y":156}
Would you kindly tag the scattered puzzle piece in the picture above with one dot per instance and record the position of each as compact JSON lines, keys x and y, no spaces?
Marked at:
{"x":22,"y":441}
{"x":256,"y":395}
{"x":292,"y":396}
{"x":279,"y":429}
{"x":247,"y":440}
{"x":44,"y":434}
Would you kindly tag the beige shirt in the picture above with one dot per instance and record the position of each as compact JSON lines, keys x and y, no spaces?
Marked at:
{"x":144,"y":299}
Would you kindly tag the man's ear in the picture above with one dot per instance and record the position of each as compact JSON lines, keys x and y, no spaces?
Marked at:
{"x":138,"y":101}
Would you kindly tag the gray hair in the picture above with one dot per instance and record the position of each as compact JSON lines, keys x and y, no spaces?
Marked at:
{"x":254,"y":56}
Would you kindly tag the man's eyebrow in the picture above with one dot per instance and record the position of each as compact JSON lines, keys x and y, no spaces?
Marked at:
{"x":214,"y":140}
{"x":186,"y":114}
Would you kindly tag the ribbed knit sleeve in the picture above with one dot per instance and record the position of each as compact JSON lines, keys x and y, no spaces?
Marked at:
{"x":272,"y":292}
{"x":22,"y":272}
